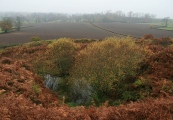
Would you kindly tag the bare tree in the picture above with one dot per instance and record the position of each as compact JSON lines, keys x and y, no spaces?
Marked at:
{"x":18,"y":23}
{"x":147,"y":17}
{"x":130,"y":14}
{"x":166,"y":20}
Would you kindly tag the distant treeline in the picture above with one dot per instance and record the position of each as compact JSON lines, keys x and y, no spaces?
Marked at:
{"x":108,"y":16}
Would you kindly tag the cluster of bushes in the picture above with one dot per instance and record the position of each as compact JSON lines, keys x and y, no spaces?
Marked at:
{"x":101,"y":71}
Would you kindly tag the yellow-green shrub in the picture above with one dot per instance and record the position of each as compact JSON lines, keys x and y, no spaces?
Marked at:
{"x":35,"y":38}
{"x":62,"y":53}
{"x":108,"y":64}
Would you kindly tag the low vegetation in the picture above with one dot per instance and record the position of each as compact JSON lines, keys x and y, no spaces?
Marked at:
{"x":35,"y":38}
{"x":123,"y":77}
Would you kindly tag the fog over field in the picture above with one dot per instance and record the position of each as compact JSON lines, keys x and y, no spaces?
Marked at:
{"x":161,"y":8}
{"x":93,"y":19}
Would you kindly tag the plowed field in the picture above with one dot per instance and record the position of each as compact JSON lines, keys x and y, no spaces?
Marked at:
{"x":136,"y":30}
{"x":78,"y":30}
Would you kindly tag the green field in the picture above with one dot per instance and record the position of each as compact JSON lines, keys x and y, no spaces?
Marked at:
{"x":161,"y":26}
{"x":166,"y":28}
{"x":169,"y":27}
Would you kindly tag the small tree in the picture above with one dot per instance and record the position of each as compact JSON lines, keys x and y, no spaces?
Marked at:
{"x":107,"y":66}
{"x":6,"y":24}
{"x":166,"y":20}
{"x":62,"y":54}
{"x":18,"y":23}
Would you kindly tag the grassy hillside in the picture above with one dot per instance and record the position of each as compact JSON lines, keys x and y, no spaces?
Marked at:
{"x":116,"y":78}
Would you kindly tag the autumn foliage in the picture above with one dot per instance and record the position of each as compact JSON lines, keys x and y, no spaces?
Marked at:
{"x":62,"y":54}
{"x":107,"y":66}
{"x":135,"y":76}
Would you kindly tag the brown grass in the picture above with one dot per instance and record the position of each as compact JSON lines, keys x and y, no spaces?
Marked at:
{"x":20,"y":100}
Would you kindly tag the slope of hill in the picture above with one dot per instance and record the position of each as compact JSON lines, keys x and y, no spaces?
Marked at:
{"x":23,"y":94}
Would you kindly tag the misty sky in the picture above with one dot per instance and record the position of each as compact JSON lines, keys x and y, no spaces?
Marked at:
{"x":162,"y":8}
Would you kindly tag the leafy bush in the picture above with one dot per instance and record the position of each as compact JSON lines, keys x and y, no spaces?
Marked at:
{"x":57,"y":59}
{"x":35,"y":38}
{"x":62,"y":54}
{"x":108,"y":65}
